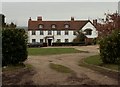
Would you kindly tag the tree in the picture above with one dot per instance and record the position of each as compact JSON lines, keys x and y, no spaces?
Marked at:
{"x":114,"y":19}
{"x":10,"y":26}
{"x":80,"y":37}
{"x":14,"y":46}
{"x":107,"y":26}
{"x":110,"y":48}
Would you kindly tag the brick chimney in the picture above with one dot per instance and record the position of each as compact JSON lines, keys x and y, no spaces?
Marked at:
{"x":30,"y":19}
{"x":39,"y":18}
{"x":95,"y":21}
{"x":72,"y":18}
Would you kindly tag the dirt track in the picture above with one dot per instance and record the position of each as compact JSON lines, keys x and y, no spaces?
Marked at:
{"x":81,"y":75}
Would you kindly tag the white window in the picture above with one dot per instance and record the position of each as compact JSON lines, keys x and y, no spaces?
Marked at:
{"x":74,"y":32}
{"x":66,"y":40}
{"x":33,"y":32}
{"x":40,"y":26}
{"x":41,"y":32}
{"x":58,"y":40}
{"x":41,"y":40}
{"x":58,"y":32}
{"x":66,"y":32}
{"x":33,"y":40}
{"x":49,"y":32}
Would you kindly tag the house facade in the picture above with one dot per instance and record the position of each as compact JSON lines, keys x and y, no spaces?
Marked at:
{"x":58,"y":31}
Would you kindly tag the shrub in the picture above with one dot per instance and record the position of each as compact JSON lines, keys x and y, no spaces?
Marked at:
{"x":110,"y":48}
{"x":79,"y":38}
{"x":69,"y":44}
{"x":14,"y":46}
{"x":94,"y":41}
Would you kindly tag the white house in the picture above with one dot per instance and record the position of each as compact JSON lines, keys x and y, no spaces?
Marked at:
{"x":58,"y":31}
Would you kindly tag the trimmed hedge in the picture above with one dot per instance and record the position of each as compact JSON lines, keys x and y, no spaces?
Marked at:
{"x":14,"y":46}
{"x":44,"y":44}
{"x":110,"y":48}
{"x":68,"y":44}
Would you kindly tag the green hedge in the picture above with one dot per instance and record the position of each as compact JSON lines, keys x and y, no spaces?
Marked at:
{"x":110,"y":48}
{"x":14,"y":46}
{"x":69,"y":44}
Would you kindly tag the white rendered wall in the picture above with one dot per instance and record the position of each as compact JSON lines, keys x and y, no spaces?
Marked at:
{"x":70,"y":36}
{"x":94,"y":32}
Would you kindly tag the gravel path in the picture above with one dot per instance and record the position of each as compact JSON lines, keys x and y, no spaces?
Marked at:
{"x":81,"y":75}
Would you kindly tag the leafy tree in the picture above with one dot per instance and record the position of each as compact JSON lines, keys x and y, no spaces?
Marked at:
{"x":110,"y":48}
{"x":80,"y":37}
{"x":10,"y":26}
{"x":14,"y":46}
{"x":114,"y":18}
{"x":109,"y":24}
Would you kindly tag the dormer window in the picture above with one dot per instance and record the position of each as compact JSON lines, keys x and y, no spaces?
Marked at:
{"x":40,"y":26}
{"x":66,"y":26}
{"x":53,"y":26}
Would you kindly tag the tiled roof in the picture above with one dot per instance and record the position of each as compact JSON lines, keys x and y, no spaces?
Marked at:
{"x":60,"y":25}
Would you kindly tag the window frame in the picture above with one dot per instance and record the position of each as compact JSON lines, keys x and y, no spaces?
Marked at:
{"x":41,"y":40}
{"x":41,"y":32}
{"x":34,"y":40}
{"x":88,"y":31}
{"x":49,"y":32}
{"x":58,"y":32}
{"x":66,"y":40}
{"x":66,"y":32}
{"x":58,"y":40}
{"x":33,"y":32}
{"x":74,"y":33}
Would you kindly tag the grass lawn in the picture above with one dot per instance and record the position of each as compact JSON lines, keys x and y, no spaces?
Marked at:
{"x":13,"y":67}
{"x":16,"y":67}
{"x":60,"y":68}
{"x":95,"y":60}
{"x":51,"y":51}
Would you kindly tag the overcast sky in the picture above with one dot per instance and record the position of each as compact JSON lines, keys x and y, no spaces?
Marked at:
{"x":19,"y":12}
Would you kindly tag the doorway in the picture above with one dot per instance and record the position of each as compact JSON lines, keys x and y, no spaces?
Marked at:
{"x":49,"y":42}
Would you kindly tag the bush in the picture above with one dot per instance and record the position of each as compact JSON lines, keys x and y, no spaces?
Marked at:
{"x":14,"y":46}
{"x":79,"y":38}
{"x":110,"y":48}
{"x":94,"y":41}
{"x":69,"y":44}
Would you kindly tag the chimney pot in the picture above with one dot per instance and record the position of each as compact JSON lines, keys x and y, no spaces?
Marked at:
{"x":72,"y":18}
{"x":39,"y":18}
{"x":30,"y":19}
{"x":95,"y":21}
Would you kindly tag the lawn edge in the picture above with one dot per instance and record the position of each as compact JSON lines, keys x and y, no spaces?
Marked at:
{"x":105,"y":71}
{"x":100,"y":66}
{"x":75,"y":51}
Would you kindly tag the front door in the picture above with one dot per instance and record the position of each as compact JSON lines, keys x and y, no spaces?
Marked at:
{"x":49,"y":42}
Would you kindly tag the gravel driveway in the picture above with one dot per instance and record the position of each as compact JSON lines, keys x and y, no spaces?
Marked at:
{"x":81,"y":75}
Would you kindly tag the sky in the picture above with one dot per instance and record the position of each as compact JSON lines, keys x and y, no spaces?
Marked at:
{"x":19,"y":12}
{"x":59,"y":0}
